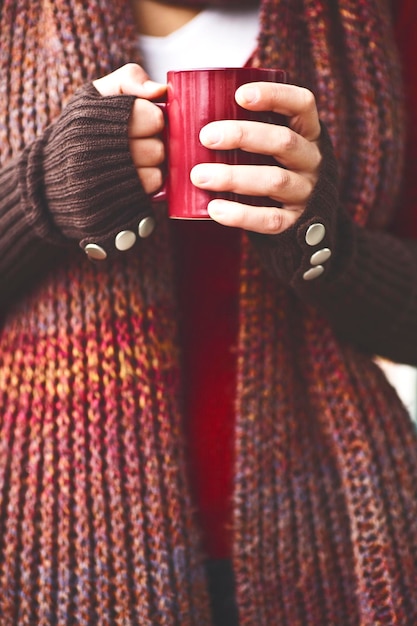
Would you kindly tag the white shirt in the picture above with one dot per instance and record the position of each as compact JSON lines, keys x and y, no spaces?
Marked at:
{"x":215,"y":37}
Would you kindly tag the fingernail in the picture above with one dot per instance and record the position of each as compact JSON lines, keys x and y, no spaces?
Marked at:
{"x":249,"y":94}
{"x":215,"y":209}
{"x":199,"y":175}
{"x":210,"y":135}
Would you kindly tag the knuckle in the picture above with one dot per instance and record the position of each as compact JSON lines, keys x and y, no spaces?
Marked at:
{"x":308,"y":101}
{"x":274,"y":222}
{"x":310,"y":185}
{"x":239,"y":134}
{"x":147,"y":152}
{"x":281,"y":180}
{"x":147,"y":116}
{"x":289,"y":139}
{"x":156,"y":178}
{"x":151,"y":178}
{"x":157,"y":118}
{"x":131,"y":70}
{"x":227,"y":173}
{"x":158,"y":152}
{"x":317,"y":161}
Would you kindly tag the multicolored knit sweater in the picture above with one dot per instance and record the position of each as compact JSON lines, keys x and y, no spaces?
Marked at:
{"x":96,"y":520}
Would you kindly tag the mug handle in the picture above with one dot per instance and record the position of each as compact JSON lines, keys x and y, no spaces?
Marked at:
{"x":161,"y":194}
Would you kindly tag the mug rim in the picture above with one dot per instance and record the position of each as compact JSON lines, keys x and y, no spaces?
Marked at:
{"x":226,"y":69}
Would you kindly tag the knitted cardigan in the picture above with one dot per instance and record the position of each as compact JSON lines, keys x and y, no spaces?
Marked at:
{"x":96,"y":520}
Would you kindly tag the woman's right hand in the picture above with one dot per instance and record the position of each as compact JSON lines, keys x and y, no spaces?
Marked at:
{"x":145,"y":123}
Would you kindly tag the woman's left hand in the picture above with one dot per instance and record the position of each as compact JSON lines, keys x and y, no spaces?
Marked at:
{"x":295,"y":147}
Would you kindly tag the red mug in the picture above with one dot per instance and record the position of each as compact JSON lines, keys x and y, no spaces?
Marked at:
{"x":195,"y":98}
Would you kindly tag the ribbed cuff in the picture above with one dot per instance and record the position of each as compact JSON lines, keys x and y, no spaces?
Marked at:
{"x":79,"y":180}
{"x":372,"y":300}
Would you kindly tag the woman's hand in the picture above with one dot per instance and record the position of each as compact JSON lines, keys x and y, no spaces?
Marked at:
{"x":145,"y":122}
{"x":295,"y":147}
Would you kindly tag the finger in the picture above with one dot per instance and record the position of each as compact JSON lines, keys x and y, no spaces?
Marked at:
{"x":130,"y":79}
{"x":146,"y":119}
{"x":288,"y":147}
{"x":151,"y":179}
{"x":147,"y":152}
{"x":265,"y":220}
{"x":272,"y":181}
{"x":297,"y":103}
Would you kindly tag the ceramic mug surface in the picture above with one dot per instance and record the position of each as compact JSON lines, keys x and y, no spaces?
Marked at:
{"x":195,"y":98}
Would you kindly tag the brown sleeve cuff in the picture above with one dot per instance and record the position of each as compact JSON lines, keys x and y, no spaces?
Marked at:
{"x":78,"y":181}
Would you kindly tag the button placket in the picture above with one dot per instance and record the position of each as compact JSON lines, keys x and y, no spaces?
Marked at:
{"x":146,"y":226}
{"x":315,"y":234}
{"x":96,"y":252}
{"x":125,"y":240}
{"x":321,"y":256}
{"x":313,"y":272}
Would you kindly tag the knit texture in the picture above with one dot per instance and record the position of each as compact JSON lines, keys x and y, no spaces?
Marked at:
{"x":96,"y":520}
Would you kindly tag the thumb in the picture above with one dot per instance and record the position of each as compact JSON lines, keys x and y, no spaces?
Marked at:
{"x":130,"y":79}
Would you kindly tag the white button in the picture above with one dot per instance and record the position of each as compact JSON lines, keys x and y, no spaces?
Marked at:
{"x":315,"y":234}
{"x":125,"y":240}
{"x":93,"y":251}
{"x":146,"y":226}
{"x":313,"y":272}
{"x":321,"y":256}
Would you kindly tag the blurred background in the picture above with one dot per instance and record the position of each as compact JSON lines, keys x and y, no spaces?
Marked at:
{"x":404,"y":379}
